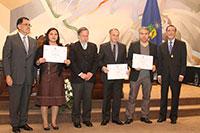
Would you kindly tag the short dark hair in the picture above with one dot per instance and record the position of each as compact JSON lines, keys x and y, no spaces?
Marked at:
{"x":171,"y":25}
{"x":113,"y":30}
{"x":20,"y":20}
{"x":82,"y":29}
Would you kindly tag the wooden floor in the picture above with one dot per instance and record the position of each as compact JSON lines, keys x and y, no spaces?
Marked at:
{"x":184,"y":125}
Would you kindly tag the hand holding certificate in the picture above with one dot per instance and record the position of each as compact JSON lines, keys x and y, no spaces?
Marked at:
{"x":142,"y":61}
{"x":55,"y":54}
{"x":117,"y":71}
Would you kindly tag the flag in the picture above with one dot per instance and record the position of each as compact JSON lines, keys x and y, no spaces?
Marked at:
{"x":152,"y":20}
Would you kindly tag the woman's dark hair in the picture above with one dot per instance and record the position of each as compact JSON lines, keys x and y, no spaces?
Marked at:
{"x":47,"y":38}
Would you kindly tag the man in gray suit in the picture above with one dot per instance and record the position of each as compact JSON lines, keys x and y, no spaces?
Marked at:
{"x":18,"y":59}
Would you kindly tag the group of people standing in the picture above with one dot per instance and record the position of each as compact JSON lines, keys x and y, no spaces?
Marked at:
{"x":21,"y":59}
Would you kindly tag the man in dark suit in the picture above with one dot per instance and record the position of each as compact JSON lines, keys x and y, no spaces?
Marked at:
{"x":83,"y":55}
{"x":18,"y":59}
{"x":140,"y":76}
{"x":171,"y":70}
{"x":112,"y":52}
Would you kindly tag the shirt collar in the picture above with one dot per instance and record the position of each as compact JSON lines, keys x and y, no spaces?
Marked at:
{"x":83,"y":43}
{"x":113,"y":43}
{"x":173,"y":40}
{"x":22,"y":36}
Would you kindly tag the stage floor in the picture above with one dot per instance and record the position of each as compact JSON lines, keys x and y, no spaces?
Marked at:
{"x":184,"y":125}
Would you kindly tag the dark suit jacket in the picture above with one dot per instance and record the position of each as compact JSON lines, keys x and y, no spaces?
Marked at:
{"x":135,"y":48}
{"x":83,"y":61}
{"x":169,"y":66}
{"x":16,"y":62}
{"x":106,"y":56}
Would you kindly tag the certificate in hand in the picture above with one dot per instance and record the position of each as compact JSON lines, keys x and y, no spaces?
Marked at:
{"x":117,"y":71}
{"x":142,"y":61}
{"x":55,"y":54}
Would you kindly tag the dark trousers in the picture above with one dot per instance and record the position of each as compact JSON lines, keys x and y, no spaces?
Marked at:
{"x":112,"y":89}
{"x":18,"y":107}
{"x":82,"y":92}
{"x":175,"y":90}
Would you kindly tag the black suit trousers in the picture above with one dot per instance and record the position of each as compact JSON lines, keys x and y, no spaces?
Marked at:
{"x":112,"y":90}
{"x":175,"y":91}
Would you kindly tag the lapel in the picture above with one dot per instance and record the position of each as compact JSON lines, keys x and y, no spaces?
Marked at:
{"x":19,"y":41}
{"x":137,"y":48}
{"x":150,"y":49}
{"x":80,"y":46}
{"x":166,"y":49}
{"x":174,"y":47}
{"x":21,"y":44}
{"x":110,"y":51}
{"x":31,"y":46}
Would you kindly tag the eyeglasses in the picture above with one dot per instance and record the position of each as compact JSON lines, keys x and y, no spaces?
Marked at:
{"x":29,"y":25}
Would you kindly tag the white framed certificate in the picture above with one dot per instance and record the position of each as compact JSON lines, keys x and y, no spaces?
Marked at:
{"x":142,"y":61}
{"x":55,"y":54}
{"x":117,"y":71}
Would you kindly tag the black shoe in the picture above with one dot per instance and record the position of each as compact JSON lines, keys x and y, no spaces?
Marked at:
{"x":145,"y":120}
{"x":54,"y":127}
{"x":104,"y":122}
{"x":173,"y":121}
{"x":46,"y":128}
{"x":118,"y":122}
{"x":88,"y":123}
{"x":26,"y":127}
{"x":16,"y":130}
{"x":77,"y":124}
{"x":128,"y":121}
{"x":161,"y":120}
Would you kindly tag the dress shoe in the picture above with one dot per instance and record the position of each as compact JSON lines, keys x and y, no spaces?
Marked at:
{"x":16,"y":130}
{"x":173,"y":121}
{"x":104,"y":122}
{"x":77,"y":124}
{"x":118,"y":122}
{"x":46,"y":128}
{"x":145,"y":120}
{"x":88,"y":123}
{"x":128,"y":121}
{"x":26,"y":127}
{"x":54,"y":127}
{"x":161,"y":120}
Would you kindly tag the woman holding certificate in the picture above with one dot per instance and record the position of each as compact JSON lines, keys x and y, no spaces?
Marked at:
{"x":51,"y":87}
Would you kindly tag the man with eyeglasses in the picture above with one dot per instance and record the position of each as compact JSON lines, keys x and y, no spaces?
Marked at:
{"x":18,"y":58}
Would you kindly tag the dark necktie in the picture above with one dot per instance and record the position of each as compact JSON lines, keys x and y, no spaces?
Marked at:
{"x":170,"y":47}
{"x":114,"y":51}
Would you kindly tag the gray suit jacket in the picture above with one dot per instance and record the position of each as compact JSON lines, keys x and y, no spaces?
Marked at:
{"x":16,"y":62}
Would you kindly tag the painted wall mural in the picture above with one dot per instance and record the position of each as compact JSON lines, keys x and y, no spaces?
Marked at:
{"x":101,"y":15}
